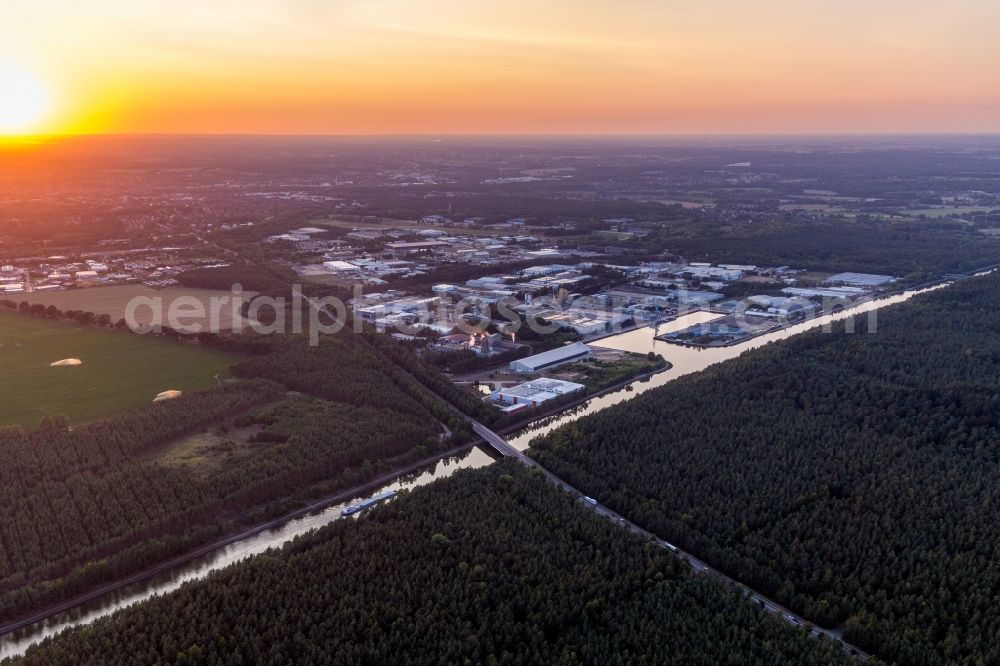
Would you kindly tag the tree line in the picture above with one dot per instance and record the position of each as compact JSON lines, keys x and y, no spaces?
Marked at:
{"x":82,"y":317}
{"x":243,"y":343}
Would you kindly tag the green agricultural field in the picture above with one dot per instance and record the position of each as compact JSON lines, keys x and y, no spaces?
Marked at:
{"x":118,"y":369}
{"x":947,"y":211}
{"x":113,"y":300}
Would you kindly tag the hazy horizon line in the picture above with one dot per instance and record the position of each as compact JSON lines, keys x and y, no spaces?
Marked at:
{"x":27,"y":138}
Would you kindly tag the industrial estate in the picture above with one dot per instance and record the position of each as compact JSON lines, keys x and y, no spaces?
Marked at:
{"x":581,"y":401}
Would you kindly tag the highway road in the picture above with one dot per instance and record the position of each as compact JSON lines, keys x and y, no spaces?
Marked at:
{"x":505,"y":449}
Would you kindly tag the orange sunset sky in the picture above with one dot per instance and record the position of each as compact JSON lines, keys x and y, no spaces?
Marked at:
{"x":512,"y":66}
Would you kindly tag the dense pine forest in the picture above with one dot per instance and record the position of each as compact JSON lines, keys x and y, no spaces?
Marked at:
{"x":72,"y":495}
{"x":492,"y":566}
{"x":917,"y":251}
{"x":91,"y":503}
{"x":855,"y":477}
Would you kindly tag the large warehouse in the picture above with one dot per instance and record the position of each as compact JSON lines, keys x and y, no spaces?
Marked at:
{"x":551,"y":358}
{"x":535,"y":392}
{"x":861,"y":279}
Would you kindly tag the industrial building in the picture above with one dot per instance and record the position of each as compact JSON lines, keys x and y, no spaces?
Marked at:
{"x":551,"y":358}
{"x":824,"y":292}
{"x":535,"y":392}
{"x":342,"y":267}
{"x":705,"y":271}
{"x":483,"y":344}
{"x":544,"y":253}
{"x":657,"y":283}
{"x":779,"y":306}
{"x":861,"y":279}
{"x":410,"y":306}
{"x":415,"y":246}
{"x":698,"y":298}
{"x":488,"y":282}
{"x":580,"y":320}
{"x":709,"y":329}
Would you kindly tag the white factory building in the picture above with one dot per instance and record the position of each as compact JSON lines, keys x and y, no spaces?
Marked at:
{"x":861,"y":279}
{"x":406,"y":306}
{"x":342,"y":267}
{"x":706,"y":272}
{"x":583,"y":321}
{"x":780,"y":306}
{"x":535,"y":392}
{"x":824,"y":292}
{"x":551,"y":358}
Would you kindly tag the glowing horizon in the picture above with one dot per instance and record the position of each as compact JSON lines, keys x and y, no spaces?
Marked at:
{"x":570,"y":67}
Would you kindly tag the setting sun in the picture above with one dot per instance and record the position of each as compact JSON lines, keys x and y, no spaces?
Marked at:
{"x":23,"y":99}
